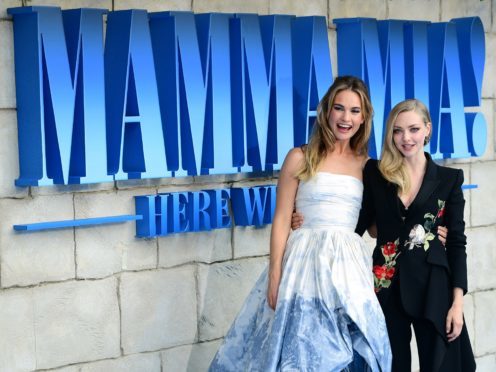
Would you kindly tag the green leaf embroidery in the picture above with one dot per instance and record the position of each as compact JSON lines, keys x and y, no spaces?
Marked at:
{"x":428,"y":225}
{"x":386,"y":283}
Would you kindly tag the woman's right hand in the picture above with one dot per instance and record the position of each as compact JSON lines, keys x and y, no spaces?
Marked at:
{"x":442,"y":234}
{"x":296,"y":220}
{"x":273,"y":289}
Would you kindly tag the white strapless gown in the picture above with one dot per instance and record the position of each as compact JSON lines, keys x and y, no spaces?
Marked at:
{"x":327,"y":316}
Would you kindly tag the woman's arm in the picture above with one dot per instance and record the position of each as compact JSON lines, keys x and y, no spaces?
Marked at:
{"x":372,"y":230}
{"x":457,"y":257}
{"x":454,"y":319}
{"x":286,"y":194}
{"x":456,"y":240}
{"x":367,"y":212}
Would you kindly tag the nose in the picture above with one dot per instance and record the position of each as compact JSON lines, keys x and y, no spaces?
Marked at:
{"x":346,"y":115}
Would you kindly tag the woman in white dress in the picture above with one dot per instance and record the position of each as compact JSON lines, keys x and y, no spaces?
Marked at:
{"x":314,"y":308}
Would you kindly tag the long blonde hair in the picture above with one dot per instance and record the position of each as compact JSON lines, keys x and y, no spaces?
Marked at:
{"x":391,"y":164}
{"x":323,"y":139}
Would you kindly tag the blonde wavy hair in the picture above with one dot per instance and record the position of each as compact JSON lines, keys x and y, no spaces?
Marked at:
{"x":322,"y":139}
{"x":391,"y":164}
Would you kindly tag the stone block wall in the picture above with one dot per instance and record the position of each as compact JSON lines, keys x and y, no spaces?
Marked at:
{"x":98,"y":299}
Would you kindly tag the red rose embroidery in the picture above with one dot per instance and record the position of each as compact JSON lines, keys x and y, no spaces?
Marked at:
{"x":379,"y":271}
{"x":440,"y":213}
{"x":383,"y":274}
{"x":390,"y":273}
{"x":389,"y":249}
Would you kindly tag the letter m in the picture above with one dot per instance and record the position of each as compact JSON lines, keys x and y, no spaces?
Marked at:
{"x":60,"y":95}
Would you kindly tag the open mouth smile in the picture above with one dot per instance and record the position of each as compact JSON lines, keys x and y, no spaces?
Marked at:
{"x":344,"y":127}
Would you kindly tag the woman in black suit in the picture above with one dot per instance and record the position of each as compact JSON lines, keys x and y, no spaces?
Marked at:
{"x":418,"y":280}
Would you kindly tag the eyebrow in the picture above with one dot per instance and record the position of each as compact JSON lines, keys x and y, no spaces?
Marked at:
{"x":341,"y":105}
{"x":409,"y":126}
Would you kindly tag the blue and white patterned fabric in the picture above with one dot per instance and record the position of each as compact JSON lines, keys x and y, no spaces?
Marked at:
{"x":327,"y":317}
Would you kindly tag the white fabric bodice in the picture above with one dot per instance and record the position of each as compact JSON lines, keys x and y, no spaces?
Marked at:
{"x":330,"y":200}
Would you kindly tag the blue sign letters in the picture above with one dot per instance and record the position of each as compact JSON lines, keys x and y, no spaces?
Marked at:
{"x":165,"y":214}
{"x":439,"y":63}
{"x":172,"y":94}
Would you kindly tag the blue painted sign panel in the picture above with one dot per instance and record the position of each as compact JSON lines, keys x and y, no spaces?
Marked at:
{"x":172,"y":94}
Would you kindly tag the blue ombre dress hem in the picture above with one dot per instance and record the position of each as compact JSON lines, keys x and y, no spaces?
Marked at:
{"x":327,"y":316}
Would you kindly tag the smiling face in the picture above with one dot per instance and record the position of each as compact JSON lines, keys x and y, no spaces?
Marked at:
{"x":346,"y":116}
{"x":409,"y":134}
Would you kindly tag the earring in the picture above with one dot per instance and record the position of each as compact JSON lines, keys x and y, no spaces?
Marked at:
{"x":426,"y":140}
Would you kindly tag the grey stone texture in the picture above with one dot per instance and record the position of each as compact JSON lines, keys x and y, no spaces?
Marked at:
{"x":426,"y":10}
{"x":169,"y":184}
{"x":231,"y":6}
{"x":469,"y":314}
{"x":17,"y":337}
{"x":299,"y":8}
{"x":108,"y":249}
{"x":71,"y":189}
{"x":76,"y":321}
{"x":218,"y":303}
{"x":204,"y":246}
{"x":481,"y":258}
{"x":64,"y":4}
{"x":488,"y":112}
{"x":251,"y":241}
{"x":7,"y":78}
{"x":5,"y":4}
{"x":493,"y":14}
{"x":484,"y":176}
{"x":486,"y":363}
{"x":332,"y":36}
{"x":489,"y":80}
{"x":158,"y":309}
{"x":149,"y":362}
{"x":458,"y":9}
{"x":9,"y":156}
{"x":30,"y":258}
{"x":72,"y":368}
{"x":357,"y":8}
{"x":190,"y":358}
{"x":485,"y":327}
{"x":153,"y":5}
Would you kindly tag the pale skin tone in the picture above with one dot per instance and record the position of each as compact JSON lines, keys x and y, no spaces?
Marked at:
{"x":409,"y":132}
{"x":345,"y":118}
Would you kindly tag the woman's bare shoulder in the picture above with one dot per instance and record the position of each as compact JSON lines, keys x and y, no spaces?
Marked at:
{"x":294,"y":159}
{"x":296,"y":154}
{"x":364,"y":159}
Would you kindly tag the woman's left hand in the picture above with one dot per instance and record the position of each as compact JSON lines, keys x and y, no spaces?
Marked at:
{"x":454,"y":322}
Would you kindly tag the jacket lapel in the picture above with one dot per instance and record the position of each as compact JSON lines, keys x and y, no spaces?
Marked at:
{"x":429,"y":184}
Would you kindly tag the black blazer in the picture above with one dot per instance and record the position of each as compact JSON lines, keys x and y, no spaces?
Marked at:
{"x":426,"y":273}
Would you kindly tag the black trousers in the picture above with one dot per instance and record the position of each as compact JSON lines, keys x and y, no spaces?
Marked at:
{"x":435,"y":354}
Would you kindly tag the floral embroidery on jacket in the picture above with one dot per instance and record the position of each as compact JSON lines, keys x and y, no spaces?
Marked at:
{"x":422,"y":235}
{"x":383,"y":274}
